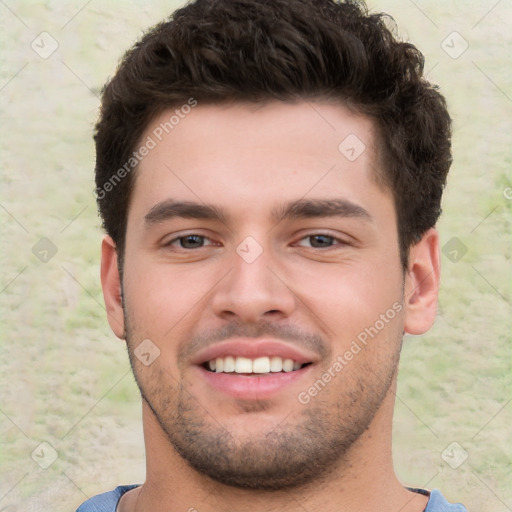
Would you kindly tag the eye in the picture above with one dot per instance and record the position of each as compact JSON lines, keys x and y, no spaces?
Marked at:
{"x":190,"y":242}
{"x":319,"y":241}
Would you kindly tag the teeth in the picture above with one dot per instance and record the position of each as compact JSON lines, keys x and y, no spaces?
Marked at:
{"x":276,"y":364}
{"x":261,"y":365}
{"x":265,"y":364}
{"x":229,"y":364}
{"x":243,"y":365}
{"x":287,"y":365}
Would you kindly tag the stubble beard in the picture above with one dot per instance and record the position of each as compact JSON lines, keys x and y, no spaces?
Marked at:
{"x":307,"y":445}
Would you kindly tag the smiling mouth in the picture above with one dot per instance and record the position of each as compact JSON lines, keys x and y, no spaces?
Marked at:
{"x":257,"y":366}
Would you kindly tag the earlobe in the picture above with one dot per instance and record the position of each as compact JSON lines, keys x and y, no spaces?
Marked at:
{"x":111,"y":285}
{"x":422,"y":284}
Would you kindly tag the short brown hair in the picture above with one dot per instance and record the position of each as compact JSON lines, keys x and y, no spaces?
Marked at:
{"x":259,"y":50}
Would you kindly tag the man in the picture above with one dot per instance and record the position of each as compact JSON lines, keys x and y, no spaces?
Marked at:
{"x":269,"y":174}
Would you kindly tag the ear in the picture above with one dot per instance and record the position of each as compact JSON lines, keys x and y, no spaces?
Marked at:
{"x":422,"y":284}
{"x":111,"y":284}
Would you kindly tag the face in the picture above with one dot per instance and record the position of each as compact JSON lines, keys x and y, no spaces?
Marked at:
{"x":262,"y":264}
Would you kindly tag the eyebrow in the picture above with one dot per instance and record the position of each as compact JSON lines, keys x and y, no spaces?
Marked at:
{"x":169,"y":208}
{"x":300,"y":209}
{"x":310,"y":208}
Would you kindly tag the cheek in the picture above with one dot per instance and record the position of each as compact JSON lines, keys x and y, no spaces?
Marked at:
{"x":349,"y":298}
{"x":162,"y":298}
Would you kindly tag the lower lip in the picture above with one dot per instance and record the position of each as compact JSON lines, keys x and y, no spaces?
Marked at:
{"x":251,"y":387}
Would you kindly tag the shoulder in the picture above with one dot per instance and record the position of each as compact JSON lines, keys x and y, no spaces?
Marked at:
{"x":106,"y":502}
{"x":437,"y":503}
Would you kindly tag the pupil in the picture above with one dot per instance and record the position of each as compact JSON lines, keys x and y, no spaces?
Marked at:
{"x":191,"y":242}
{"x":321,"y":241}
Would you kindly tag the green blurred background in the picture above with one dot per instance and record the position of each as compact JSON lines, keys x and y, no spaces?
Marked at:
{"x":65,"y":379}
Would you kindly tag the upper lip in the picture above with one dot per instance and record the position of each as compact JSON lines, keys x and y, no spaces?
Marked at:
{"x":254,"y":348}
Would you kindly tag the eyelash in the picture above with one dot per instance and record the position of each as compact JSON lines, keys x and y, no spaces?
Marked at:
{"x":190,"y":235}
{"x":335,"y":240}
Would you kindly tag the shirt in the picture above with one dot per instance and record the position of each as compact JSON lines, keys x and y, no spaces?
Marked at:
{"x":107,"y":502}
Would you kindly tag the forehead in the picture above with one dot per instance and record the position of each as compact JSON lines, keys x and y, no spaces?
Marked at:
{"x":256,"y":155}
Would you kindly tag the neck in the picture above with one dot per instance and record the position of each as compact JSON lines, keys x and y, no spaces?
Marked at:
{"x":363,"y":481}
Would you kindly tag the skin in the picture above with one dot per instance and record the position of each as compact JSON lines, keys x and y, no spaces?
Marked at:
{"x":248,"y":161}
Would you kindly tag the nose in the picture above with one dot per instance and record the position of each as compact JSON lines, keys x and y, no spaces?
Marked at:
{"x":254,"y":290}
